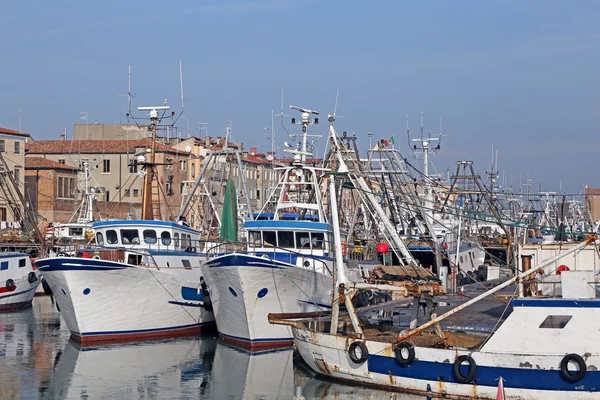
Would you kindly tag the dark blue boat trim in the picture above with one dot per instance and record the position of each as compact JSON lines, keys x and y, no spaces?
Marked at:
{"x":517,"y":378}
{"x":78,"y":264}
{"x":575,"y":303}
{"x":16,"y":294}
{"x":241,"y":260}
{"x":146,"y":330}
{"x":257,"y":340}
{"x":287,"y":224}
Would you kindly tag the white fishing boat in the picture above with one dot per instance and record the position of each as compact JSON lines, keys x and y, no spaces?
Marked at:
{"x":141,"y":281}
{"x":547,"y":348}
{"x":18,"y":279}
{"x":285,"y":264}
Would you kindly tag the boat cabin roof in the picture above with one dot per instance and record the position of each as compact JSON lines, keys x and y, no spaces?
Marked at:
{"x":145,"y":224}
{"x":287,"y":225}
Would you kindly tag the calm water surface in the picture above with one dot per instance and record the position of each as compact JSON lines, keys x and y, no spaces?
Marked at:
{"x":38,"y":361}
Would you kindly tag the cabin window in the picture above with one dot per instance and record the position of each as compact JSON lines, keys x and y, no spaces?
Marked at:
{"x":130,"y":236}
{"x":317,"y":239}
{"x":185,"y":241}
{"x":286,"y":239}
{"x":555,"y":321}
{"x":176,"y":239}
{"x":111,"y":237}
{"x":149,"y":236}
{"x":99,"y":239}
{"x":22,"y":263}
{"x":3,"y":265}
{"x":270,"y":238}
{"x":134,"y":259}
{"x":165,"y":238}
{"x":255,"y":238}
{"x":186,"y":264}
{"x":75,"y":231}
{"x":302,"y":240}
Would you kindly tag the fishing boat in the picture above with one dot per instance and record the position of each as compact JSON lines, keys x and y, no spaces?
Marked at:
{"x":546,"y":347}
{"x":140,"y":281}
{"x":18,"y":279}
{"x":284,"y":265}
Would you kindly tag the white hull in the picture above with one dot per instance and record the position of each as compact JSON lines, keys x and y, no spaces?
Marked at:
{"x":17,"y":283}
{"x":244,"y":294}
{"x":327,"y":355}
{"x":102,"y":300}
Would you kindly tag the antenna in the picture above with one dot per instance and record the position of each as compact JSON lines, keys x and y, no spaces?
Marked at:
{"x":129,"y":94}
{"x":305,"y":122}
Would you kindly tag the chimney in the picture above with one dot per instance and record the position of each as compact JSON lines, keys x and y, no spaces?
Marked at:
{"x":63,"y":137}
{"x":207,"y":141}
{"x":252,"y":151}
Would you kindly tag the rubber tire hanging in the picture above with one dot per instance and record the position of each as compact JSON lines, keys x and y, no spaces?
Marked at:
{"x":352,"y":352}
{"x":470,"y":374}
{"x":564,"y":368}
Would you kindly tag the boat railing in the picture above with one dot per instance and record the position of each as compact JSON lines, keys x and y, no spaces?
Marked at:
{"x":283,"y":254}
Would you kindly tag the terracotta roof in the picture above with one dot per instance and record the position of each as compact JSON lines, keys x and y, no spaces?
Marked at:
{"x":44,"y":163}
{"x":12,"y":132}
{"x":94,"y":146}
{"x":592,"y":192}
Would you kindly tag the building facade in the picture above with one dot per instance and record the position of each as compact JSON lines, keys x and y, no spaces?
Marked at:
{"x":12,"y":148}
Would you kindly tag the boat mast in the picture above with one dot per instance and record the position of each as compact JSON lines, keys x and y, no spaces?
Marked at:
{"x":147,"y":212}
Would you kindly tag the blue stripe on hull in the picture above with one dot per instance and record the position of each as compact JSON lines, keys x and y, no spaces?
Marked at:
{"x":579,"y":303}
{"x":282,"y":260}
{"x":16,"y":294}
{"x":78,"y":264}
{"x":518,"y":378}
{"x":259,"y":340}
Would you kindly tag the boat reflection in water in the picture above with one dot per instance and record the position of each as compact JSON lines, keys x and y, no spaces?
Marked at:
{"x":183,"y":369}
{"x":153,"y":370}
{"x":239,"y":374}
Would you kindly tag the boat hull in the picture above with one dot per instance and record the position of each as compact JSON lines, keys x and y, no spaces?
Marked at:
{"x":17,"y":283}
{"x":244,"y":289}
{"x":431,"y":373}
{"x":107,"y":301}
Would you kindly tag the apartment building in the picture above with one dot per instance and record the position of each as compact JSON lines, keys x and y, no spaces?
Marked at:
{"x":12,"y":148}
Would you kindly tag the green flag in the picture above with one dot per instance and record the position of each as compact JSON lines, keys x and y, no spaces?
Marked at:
{"x":229,"y":226}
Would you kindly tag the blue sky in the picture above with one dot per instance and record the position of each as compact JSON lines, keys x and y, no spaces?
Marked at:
{"x":521,"y":75}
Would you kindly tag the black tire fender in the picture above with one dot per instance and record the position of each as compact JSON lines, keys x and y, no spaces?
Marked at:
{"x":32,"y":277}
{"x":398,"y":351}
{"x":207,"y":302}
{"x":10,"y":284}
{"x":470,"y":374}
{"x":564,"y":368}
{"x":358,"y":352}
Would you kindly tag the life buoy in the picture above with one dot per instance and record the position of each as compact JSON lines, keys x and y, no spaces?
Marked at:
{"x":562,"y":268}
{"x":564,"y":368}
{"x":399,"y":351}
{"x":10,"y":285}
{"x":32,"y":277}
{"x":471,"y":372}
{"x":358,"y":352}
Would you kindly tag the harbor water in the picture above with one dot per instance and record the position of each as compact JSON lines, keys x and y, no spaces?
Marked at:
{"x":39,"y":361}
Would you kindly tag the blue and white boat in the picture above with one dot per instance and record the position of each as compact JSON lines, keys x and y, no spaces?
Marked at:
{"x":284,"y":266}
{"x":141,"y":281}
{"x":18,"y":281}
{"x":547,"y":348}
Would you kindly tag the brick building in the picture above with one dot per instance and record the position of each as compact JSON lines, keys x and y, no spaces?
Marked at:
{"x":51,"y":188}
{"x":115,"y":175}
